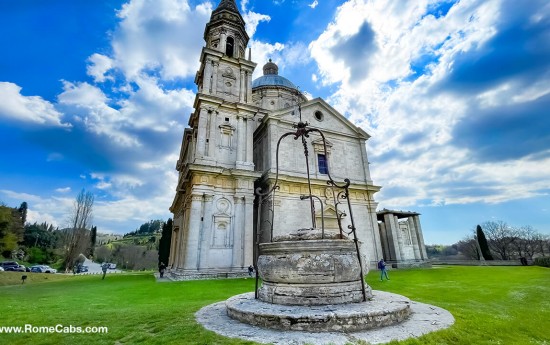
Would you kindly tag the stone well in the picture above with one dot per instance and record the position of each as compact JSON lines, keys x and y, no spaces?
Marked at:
{"x":310,"y":272}
{"x":314,"y":283}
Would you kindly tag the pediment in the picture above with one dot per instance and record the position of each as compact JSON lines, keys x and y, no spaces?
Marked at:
{"x":319,"y":114}
{"x":329,"y":212}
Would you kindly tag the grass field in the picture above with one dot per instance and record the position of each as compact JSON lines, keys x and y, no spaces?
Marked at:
{"x":491,"y":305}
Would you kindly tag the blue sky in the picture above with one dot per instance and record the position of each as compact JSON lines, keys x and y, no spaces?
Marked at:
{"x":455,"y":94}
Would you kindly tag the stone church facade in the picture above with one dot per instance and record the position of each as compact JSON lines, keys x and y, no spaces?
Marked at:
{"x":229,"y":150}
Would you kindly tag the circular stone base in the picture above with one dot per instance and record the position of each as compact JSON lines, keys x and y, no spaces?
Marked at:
{"x":384,"y":309}
{"x":425,"y":318}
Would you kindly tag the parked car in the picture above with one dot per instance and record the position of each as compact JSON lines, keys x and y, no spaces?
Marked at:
{"x":43,"y":269}
{"x":112,"y":266}
{"x":84,"y":268}
{"x":13,"y":266}
{"x":1,"y":268}
{"x":48,"y":269}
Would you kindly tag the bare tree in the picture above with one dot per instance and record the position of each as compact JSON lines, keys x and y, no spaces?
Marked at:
{"x":77,"y":236}
{"x":469,"y":248}
{"x":527,"y":242}
{"x":541,"y":244}
{"x":501,"y":238}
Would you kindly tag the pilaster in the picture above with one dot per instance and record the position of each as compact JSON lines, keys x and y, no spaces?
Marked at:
{"x":194,"y":232}
{"x":414,"y":238}
{"x":421,"y":244}
{"x":248,"y":230}
{"x":239,"y":233}
{"x":400,"y":240}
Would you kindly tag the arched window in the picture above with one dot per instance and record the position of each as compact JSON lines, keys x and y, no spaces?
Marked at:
{"x":229,"y":46}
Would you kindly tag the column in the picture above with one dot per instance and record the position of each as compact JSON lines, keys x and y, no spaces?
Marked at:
{"x":172,"y":245}
{"x":201,"y":135}
{"x":191,"y":255}
{"x":249,"y":87}
{"x":392,"y":237}
{"x":238,"y":234}
{"x":212,"y":137}
{"x":240,"y":139}
{"x":250,"y":143}
{"x":206,"y":232}
{"x":378,"y":252}
{"x":216,"y":64}
{"x":414,"y":238}
{"x":207,"y":77}
{"x":180,"y":249}
{"x":384,"y":242}
{"x":242,"y":89}
{"x":223,"y":40}
{"x":421,"y":244}
{"x":399,"y":237}
{"x":248,"y":230}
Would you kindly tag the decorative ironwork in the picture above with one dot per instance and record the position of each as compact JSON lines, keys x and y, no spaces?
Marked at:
{"x":340,"y":194}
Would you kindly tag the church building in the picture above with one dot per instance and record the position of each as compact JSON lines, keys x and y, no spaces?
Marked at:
{"x":229,"y":150}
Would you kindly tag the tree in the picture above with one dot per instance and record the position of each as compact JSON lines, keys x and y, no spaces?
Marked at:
{"x":23,"y":212}
{"x":77,"y":236}
{"x":11,"y":230}
{"x":500,"y":238}
{"x":93,"y":239}
{"x":469,"y":248}
{"x":527,"y":242}
{"x":483,"y":245}
{"x":165,"y":241}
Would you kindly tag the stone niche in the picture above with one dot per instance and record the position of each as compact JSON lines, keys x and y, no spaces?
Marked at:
{"x":303,"y":268}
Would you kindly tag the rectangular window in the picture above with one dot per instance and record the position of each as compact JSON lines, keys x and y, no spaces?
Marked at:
{"x":323,"y":165}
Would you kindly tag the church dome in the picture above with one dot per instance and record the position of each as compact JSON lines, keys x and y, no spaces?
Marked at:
{"x":271,"y":77}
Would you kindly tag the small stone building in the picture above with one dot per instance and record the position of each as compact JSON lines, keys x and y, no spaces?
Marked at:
{"x":229,"y":150}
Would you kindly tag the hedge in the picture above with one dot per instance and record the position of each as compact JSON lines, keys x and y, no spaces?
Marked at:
{"x":544,"y":261}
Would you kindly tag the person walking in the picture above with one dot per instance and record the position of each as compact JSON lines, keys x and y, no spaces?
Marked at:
{"x":162,"y":268}
{"x":104,"y":269}
{"x":250,"y":270}
{"x":383,"y":271}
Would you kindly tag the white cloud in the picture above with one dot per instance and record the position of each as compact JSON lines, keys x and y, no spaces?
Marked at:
{"x":98,"y":66}
{"x":32,"y":109}
{"x":88,"y":104}
{"x":63,"y":190}
{"x":154,"y":36}
{"x":412,"y":126}
{"x":314,"y":4}
{"x":252,"y":20}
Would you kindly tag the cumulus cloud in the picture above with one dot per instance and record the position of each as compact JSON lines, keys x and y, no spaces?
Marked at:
{"x":89,"y":106}
{"x":314,"y":4}
{"x":98,"y":66}
{"x":153,"y":36}
{"x":441,"y":87}
{"x":30,"y":109}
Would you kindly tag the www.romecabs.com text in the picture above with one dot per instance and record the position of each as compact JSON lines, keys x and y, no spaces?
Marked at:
{"x":53,"y":329}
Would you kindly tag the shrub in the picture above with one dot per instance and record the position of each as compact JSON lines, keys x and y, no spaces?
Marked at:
{"x":544,"y":261}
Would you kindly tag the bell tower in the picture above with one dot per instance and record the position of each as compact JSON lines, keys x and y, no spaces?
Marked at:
{"x":215,"y":191}
{"x":224,"y":98}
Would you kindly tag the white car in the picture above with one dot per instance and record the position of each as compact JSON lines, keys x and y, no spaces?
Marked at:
{"x":43,"y":269}
{"x":1,"y":268}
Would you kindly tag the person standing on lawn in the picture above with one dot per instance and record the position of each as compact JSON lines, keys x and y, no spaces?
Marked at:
{"x":383,"y":271}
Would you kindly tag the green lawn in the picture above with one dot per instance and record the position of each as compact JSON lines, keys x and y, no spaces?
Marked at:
{"x":492,"y":305}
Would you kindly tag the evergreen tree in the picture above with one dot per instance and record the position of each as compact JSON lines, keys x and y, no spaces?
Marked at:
{"x":164,"y":243}
{"x":484,"y":246}
{"x":23,"y":212}
{"x":93,"y":239}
